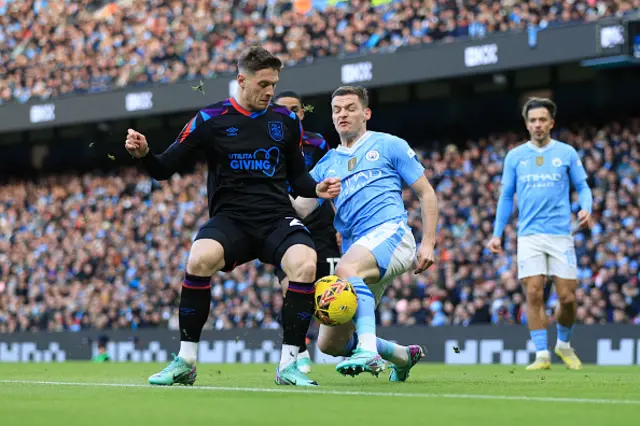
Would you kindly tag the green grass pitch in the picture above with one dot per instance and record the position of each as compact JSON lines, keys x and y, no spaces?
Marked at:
{"x":85,"y":394}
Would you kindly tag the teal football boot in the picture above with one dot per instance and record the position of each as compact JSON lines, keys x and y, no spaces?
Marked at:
{"x":178,"y":372}
{"x":360,"y":362}
{"x":291,"y":375}
{"x":400,"y":374}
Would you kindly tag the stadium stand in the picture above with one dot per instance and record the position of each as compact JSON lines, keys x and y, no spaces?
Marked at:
{"x":108,"y":45}
{"x":79,"y":252}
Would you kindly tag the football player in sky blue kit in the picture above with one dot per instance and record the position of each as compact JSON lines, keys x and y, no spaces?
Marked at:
{"x":377,"y":243}
{"x":541,"y":172}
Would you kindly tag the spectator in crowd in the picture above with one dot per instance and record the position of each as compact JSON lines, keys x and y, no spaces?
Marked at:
{"x":91,"y":252}
{"x":53,"y":48}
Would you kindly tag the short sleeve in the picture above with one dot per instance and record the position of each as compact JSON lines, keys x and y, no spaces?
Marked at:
{"x":576,"y":169}
{"x":405,"y":161}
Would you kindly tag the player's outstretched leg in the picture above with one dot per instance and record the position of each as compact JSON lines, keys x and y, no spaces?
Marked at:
{"x":195,"y":301}
{"x":365,"y":357}
{"x":343,"y":340}
{"x":537,"y":320}
{"x":566,"y":315}
{"x":299,"y":263}
{"x":403,"y":358}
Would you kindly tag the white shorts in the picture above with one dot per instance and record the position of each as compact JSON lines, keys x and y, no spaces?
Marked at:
{"x":550,"y":255}
{"x":394,"y":248}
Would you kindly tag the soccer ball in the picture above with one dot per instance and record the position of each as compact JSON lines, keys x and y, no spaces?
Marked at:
{"x":335,"y":301}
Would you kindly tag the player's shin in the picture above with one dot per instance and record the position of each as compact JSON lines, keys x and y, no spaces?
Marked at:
{"x":566,"y":319}
{"x":566,"y":313}
{"x":296,"y":317}
{"x":365,"y":318}
{"x":195,"y":302}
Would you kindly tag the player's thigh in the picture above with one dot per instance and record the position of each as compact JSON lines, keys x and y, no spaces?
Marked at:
{"x":358,"y":261}
{"x":390,"y":248}
{"x":221,"y":244}
{"x":333,"y":340}
{"x":325,"y":266}
{"x":289,"y":246}
{"x":534,"y":289}
{"x":565,"y":289}
{"x":562,"y":257}
{"x":532,"y":256}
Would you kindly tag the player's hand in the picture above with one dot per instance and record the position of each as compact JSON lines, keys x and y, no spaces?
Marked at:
{"x":136,"y":144}
{"x":328,"y":188}
{"x":584,"y":219}
{"x":495,"y":245}
{"x":339,"y":240}
{"x":425,"y":257}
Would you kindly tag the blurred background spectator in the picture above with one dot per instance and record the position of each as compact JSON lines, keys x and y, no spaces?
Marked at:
{"x":52,"y":48}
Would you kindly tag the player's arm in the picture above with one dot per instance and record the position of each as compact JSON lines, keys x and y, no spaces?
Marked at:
{"x":406,"y":163}
{"x":505,"y":202}
{"x":304,"y":206}
{"x":303,"y":184}
{"x":579,"y":180}
{"x":180,"y":153}
{"x":429,"y":209}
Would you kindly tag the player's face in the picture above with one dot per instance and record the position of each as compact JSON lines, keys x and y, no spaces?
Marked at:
{"x":539,"y":124}
{"x":292,"y":104}
{"x":349,"y":116}
{"x":258,"y":88}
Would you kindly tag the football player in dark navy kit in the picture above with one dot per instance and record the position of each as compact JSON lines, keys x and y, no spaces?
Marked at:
{"x":252,"y":149}
{"x":320,"y":222}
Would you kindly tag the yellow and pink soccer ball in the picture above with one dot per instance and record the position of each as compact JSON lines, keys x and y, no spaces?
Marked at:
{"x":335,"y":301}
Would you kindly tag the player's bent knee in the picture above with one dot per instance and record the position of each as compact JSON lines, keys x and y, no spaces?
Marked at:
{"x":331,"y":344}
{"x":346,"y":270}
{"x":535,"y":299}
{"x":299,"y":263}
{"x":535,"y":294}
{"x":329,"y":348}
{"x":206,"y":258}
{"x":567,"y":298}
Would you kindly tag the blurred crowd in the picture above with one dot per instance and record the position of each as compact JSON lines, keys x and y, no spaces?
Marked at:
{"x":109,"y":251}
{"x":55,"y":47}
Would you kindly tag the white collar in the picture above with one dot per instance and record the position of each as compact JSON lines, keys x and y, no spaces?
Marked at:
{"x":345,"y":150}
{"x":544,"y":148}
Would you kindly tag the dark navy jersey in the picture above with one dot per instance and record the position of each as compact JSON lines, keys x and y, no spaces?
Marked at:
{"x":250,"y":156}
{"x":320,"y":222}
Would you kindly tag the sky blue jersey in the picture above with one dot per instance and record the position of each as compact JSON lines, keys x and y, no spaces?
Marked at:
{"x":542,"y":179}
{"x":371,"y":171}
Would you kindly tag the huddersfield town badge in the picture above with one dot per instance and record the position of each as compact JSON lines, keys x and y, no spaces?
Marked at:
{"x":352,"y":163}
{"x":539,"y":161}
{"x":276,"y":131}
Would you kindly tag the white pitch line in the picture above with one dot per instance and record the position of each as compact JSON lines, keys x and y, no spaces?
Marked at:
{"x":335,"y":392}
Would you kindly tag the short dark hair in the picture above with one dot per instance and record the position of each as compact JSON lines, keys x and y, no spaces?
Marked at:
{"x":288,"y":94}
{"x":256,"y":58}
{"x":534,"y":103}
{"x":359,"y":91}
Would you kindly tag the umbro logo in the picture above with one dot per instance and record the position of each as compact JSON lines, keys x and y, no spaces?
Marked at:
{"x":296,"y":222}
{"x":524,"y":162}
{"x":232,"y":131}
